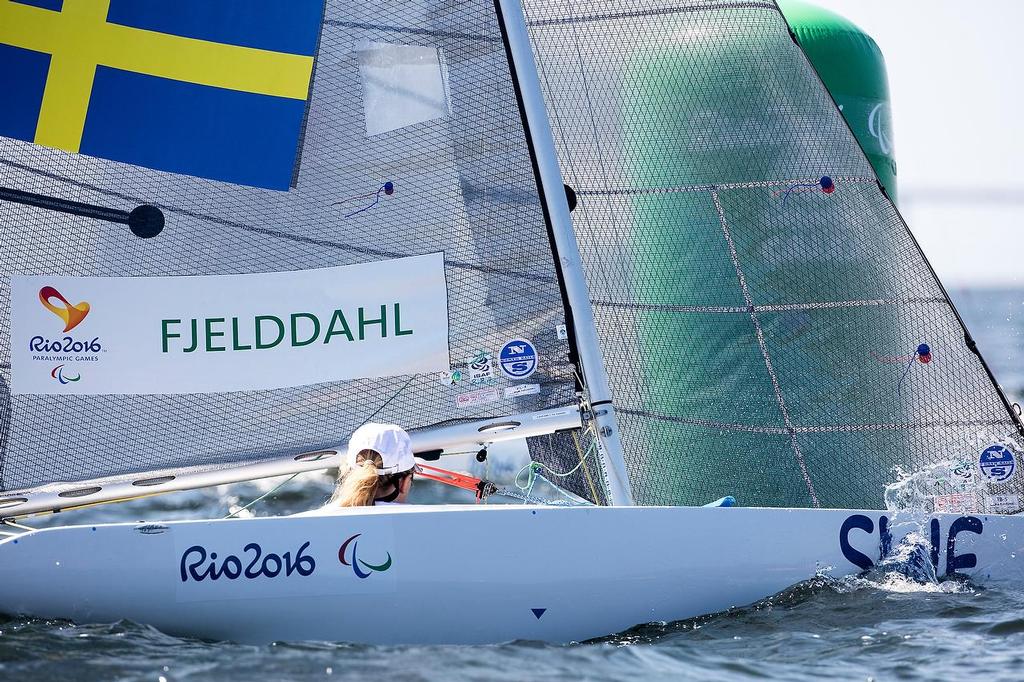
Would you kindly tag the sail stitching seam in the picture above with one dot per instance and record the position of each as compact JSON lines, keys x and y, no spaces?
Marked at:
{"x":272,"y":233}
{"x":836,"y":428}
{"x":664,"y":11}
{"x":759,"y":184}
{"x":387,"y":28}
{"x":764,"y":347}
{"x":782,"y":307}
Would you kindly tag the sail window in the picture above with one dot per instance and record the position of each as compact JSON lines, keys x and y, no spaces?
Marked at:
{"x":158,"y":480}
{"x":315,"y":456}
{"x":402,"y":85}
{"x":80,"y":492}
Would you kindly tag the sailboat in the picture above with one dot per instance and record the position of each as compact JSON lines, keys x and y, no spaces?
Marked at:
{"x":231,"y":235}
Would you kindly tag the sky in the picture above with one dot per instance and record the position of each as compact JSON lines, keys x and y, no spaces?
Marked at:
{"x":955,"y":81}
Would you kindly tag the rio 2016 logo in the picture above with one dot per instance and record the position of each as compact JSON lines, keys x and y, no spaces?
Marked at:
{"x":62,"y":348}
{"x":73,"y":314}
{"x":350,"y":559}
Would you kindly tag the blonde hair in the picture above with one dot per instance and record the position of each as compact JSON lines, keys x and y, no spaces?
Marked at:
{"x":358,"y":486}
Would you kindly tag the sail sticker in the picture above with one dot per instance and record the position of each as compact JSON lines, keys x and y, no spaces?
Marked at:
{"x":521,"y":390}
{"x":481,"y":396}
{"x":518,"y":359}
{"x":955,"y":503}
{"x":197,"y":564}
{"x":214,"y":334}
{"x":452,"y":378}
{"x":1002,"y":504}
{"x":214,"y":90}
{"x":480,"y":368}
{"x":997,"y":463}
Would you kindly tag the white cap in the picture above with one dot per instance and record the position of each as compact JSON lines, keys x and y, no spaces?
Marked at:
{"x":392,"y":442}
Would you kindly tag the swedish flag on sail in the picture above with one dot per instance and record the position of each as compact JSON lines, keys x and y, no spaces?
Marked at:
{"x":212,"y":88}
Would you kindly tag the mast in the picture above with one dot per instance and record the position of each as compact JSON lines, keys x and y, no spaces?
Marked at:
{"x":569,"y":262}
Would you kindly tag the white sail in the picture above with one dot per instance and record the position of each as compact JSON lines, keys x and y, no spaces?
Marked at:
{"x":271,"y":220}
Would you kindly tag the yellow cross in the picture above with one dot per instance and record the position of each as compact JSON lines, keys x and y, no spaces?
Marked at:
{"x":79,"y":39}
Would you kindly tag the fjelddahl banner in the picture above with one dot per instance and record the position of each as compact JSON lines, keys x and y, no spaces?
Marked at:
{"x":212,"y":334}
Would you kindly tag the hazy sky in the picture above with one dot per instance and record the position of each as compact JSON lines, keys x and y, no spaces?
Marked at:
{"x":955,"y":76}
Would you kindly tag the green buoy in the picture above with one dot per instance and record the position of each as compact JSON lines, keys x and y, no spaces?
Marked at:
{"x":853,"y":69}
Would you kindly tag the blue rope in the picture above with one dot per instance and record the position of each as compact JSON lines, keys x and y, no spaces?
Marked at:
{"x":387,"y":188}
{"x":899,"y":386}
{"x":789,"y":191}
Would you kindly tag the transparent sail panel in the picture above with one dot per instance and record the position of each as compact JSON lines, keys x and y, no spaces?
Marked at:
{"x":407,"y":140}
{"x":571,"y":460}
{"x":770,"y":327}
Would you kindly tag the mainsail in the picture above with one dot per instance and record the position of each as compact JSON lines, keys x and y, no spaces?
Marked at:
{"x":770,"y":326}
{"x":403,"y":136}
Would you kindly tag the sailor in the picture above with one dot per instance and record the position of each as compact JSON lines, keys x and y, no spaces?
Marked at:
{"x":380,"y":468}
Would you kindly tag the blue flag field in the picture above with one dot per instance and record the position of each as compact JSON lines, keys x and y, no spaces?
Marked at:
{"x":211,"y":88}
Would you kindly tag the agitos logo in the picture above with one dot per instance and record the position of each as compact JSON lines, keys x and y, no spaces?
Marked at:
{"x":58,"y":374}
{"x":355,"y":562}
{"x":72,"y":314}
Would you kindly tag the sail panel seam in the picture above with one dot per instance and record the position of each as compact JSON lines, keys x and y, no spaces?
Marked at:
{"x":781,"y":307}
{"x":661,"y":12}
{"x":390,"y":28}
{"x":759,"y":332}
{"x":274,"y":233}
{"x":835,"y":428}
{"x":754,"y":184}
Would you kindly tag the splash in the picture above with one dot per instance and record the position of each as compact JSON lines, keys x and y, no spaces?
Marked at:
{"x":951,"y":486}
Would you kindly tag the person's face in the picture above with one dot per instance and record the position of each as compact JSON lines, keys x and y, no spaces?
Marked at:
{"x":404,"y":486}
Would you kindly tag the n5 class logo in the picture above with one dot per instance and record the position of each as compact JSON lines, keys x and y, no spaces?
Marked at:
{"x":518,"y":359}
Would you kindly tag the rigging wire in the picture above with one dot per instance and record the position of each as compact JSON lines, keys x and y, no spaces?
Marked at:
{"x":13,"y":524}
{"x":10,"y":523}
{"x":582,"y":456}
{"x":533,"y":468}
{"x":568,"y":502}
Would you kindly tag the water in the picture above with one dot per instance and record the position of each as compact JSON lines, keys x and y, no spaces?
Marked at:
{"x":883,"y":626}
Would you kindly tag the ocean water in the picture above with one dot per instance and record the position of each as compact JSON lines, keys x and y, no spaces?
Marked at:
{"x":877,"y":627}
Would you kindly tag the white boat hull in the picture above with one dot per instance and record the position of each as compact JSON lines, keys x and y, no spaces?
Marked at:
{"x":464,"y":574}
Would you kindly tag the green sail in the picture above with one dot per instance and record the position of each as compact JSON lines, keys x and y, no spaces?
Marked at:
{"x":712,"y":120}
